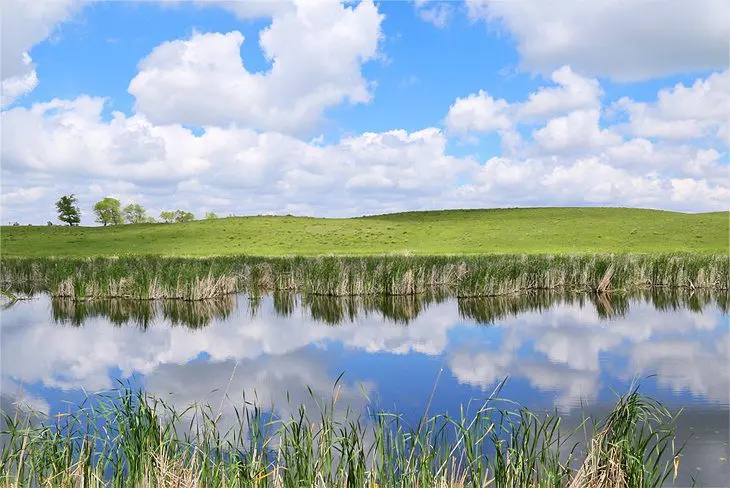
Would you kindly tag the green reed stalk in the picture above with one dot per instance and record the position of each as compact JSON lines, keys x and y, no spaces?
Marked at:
{"x":128,"y":438}
{"x":151,"y":277}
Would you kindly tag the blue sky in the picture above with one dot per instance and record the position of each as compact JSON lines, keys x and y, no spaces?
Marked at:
{"x":363,"y":108}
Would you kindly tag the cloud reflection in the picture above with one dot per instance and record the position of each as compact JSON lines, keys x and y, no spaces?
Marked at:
{"x":563,"y":345}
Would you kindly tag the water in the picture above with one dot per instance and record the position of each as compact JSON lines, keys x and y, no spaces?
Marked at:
{"x":572,"y":353}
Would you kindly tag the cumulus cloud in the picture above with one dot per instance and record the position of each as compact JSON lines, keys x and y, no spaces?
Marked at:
{"x":244,"y":156}
{"x":203,"y":81}
{"x":577,"y":156}
{"x":683,"y":112}
{"x":572,"y":93}
{"x":70,"y":138}
{"x":25,"y":24}
{"x":577,"y":130}
{"x":622,"y":40}
{"x":478,"y":112}
{"x":17,"y":86}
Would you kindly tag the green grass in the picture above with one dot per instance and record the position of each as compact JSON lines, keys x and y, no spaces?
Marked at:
{"x":127,"y":438}
{"x":519,"y":231}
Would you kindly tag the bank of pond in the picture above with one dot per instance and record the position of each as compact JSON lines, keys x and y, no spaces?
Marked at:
{"x":151,"y":277}
{"x":223,"y":323}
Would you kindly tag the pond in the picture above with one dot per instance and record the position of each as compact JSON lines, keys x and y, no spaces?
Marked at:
{"x":573,"y":353}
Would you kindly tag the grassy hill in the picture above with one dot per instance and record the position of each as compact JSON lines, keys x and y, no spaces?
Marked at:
{"x":532,"y":230}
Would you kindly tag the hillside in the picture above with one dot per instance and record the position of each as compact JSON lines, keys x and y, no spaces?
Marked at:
{"x":532,"y":230}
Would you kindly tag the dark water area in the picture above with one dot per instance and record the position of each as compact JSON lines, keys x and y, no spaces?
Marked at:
{"x":572,"y":353}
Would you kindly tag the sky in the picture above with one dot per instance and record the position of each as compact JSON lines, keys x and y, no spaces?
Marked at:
{"x":321,"y":108}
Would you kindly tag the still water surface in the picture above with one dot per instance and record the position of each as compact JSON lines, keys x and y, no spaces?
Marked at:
{"x":572,"y":353}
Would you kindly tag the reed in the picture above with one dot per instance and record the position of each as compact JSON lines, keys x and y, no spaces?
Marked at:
{"x":129,"y":438}
{"x":465,"y":276}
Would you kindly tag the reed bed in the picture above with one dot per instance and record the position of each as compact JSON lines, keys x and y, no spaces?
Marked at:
{"x":132,"y":439}
{"x":464,"y":276}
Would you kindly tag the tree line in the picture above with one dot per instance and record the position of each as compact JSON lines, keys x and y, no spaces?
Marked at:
{"x":109,"y":211}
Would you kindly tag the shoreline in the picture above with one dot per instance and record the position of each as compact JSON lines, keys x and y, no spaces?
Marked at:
{"x":472,"y":276}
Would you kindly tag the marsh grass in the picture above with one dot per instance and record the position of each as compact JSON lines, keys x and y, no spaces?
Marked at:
{"x":463,"y":276}
{"x":128,"y":438}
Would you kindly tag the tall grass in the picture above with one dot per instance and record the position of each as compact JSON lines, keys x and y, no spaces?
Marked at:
{"x":464,"y":276}
{"x":129,"y":438}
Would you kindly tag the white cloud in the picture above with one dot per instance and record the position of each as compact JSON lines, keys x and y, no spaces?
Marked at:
{"x":577,"y":130}
{"x":25,"y":24}
{"x":578,"y":157}
{"x":203,"y":80}
{"x":69,"y":138}
{"x":66,"y":145}
{"x":437,"y":13}
{"x":478,"y":112}
{"x":573,"y":93}
{"x":683,"y":112}
{"x":723,"y":134}
{"x":246,"y":161}
{"x":623,"y":40}
{"x":701,"y":191}
{"x":602,"y":183}
{"x":594,"y":179}
{"x":23,"y":195}
{"x":17,"y":86}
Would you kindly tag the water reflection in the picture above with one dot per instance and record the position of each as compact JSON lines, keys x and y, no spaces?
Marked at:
{"x":563,"y":351}
{"x":143,"y":313}
{"x":396,"y":309}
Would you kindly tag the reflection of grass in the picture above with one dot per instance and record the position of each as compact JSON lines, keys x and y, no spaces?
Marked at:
{"x":465,"y":276}
{"x":398,"y":309}
{"x":142,"y":313}
{"x":131,"y":439}
{"x":527,"y":230}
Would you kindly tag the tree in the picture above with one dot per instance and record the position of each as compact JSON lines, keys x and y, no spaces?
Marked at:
{"x":210,"y":216}
{"x":68,"y":210}
{"x":134,"y":213}
{"x":108,"y":211}
{"x":167,"y":217}
{"x":182,"y":216}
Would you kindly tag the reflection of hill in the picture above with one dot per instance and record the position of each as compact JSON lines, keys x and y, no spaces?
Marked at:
{"x":396,"y":309}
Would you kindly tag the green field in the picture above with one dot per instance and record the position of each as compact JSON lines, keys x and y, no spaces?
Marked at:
{"x":531,"y":230}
